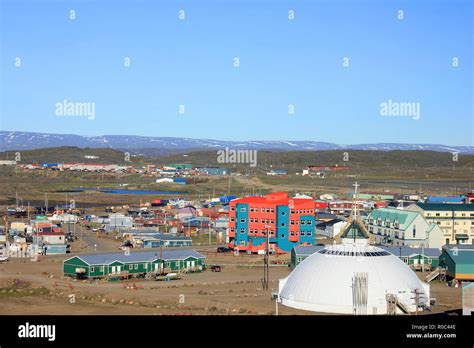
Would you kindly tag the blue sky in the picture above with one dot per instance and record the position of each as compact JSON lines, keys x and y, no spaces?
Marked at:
{"x":282,"y":62}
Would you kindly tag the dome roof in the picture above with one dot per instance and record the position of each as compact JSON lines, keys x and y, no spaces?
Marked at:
{"x":323,"y":282}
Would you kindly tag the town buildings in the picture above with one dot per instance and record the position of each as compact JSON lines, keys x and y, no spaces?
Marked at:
{"x":133,"y":263}
{"x":289,"y":222}
{"x":455,"y":220}
{"x":403,"y":228}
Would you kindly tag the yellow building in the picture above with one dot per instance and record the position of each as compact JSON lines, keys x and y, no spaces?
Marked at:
{"x":455,"y":220}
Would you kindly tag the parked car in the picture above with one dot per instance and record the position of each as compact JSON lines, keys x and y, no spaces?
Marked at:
{"x":127,"y":244}
{"x":215,"y":268}
{"x":223,"y":250}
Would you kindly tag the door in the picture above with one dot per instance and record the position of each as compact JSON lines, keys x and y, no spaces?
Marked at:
{"x":188,"y":264}
{"x":113,"y":269}
{"x":119,"y":268}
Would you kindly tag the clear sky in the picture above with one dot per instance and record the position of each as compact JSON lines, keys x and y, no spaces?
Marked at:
{"x":283,"y":62}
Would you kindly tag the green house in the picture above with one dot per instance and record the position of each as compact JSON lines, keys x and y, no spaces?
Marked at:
{"x":132,"y":264}
{"x":301,"y":252}
{"x":459,"y":261}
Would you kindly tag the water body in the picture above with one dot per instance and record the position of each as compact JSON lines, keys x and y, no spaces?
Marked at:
{"x":124,"y":192}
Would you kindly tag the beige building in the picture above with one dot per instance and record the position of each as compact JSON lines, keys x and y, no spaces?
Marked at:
{"x":455,"y":220}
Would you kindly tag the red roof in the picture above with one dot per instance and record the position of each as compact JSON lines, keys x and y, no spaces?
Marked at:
{"x":50,"y":233}
{"x":275,"y":198}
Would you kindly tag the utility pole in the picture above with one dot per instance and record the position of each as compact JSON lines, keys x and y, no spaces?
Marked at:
{"x":266,"y":259}
{"x":161,"y":257}
{"x":209,"y":228}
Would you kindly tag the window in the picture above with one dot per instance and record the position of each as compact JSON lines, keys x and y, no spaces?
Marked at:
{"x":309,"y":222}
{"x":283,"y":224}
{"x":242,"y":230}
{"x":262,"y":210}
{"x":272,"y":210}
{"x":136,"y":266}
{"x":302,"y":233}
{"x":232,"y":219}
{"x":101,"y":268}
{"x":232,"y":208}
{"x":92,"y":269}
{"x":292,"y":233}
{"x":308,"y":233}
{"x":242,"y":220}
{"x":242,"y":242}
{"x":292,"y":222}
{"x":268,"y":210}
{"x":243,"y":210}
{"x":303,"y":222}
{"x":292,"y":211}
{"x":283,"y":213}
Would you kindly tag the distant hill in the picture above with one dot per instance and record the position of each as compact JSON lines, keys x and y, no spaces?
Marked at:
{"x":71,"y":154}
{"x":159,"y":146}
{"x":358,"y":161}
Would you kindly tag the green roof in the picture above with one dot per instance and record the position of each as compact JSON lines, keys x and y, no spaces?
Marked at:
{"x":446,"y":206}
{"x":405,"y":217}
{"x":354,"y":231}
{"x":460,"y":254}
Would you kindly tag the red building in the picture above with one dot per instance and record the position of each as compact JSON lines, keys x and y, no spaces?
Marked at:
{"x":290,"y":222}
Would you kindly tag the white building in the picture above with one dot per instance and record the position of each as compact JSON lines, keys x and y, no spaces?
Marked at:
{"x":326,"y":282}
{"x":330,"y":228}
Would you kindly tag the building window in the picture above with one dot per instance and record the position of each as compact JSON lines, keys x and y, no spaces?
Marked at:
{"x":262,"y":210}
{"x":242,"y":220}
{"x":292,"y":222}
{"x":242,"y":242}
{"x":232,"y":208}
{"x":283,"y":224}
{"x":283,"y":213}
{"x":242,"y":230}
{"x":303,"y":222}
{"x":272,"y":210}
{"x":92,"y":269}
{"x":292,"y":233}
{"x":292,"y":211}
{"x":309,"y":233}
{"x":232,"y":219}
{"x":101,"y":268}
{"x":243,"y":210}
{"x":136,"y":266}
{"x":309,"y":222}
{"x":302,"y":233}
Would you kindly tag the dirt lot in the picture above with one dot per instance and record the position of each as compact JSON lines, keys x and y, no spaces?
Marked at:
{"x":40,"y":288}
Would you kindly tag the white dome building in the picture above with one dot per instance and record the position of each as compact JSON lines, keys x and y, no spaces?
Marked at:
{"x":353,"y":279}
